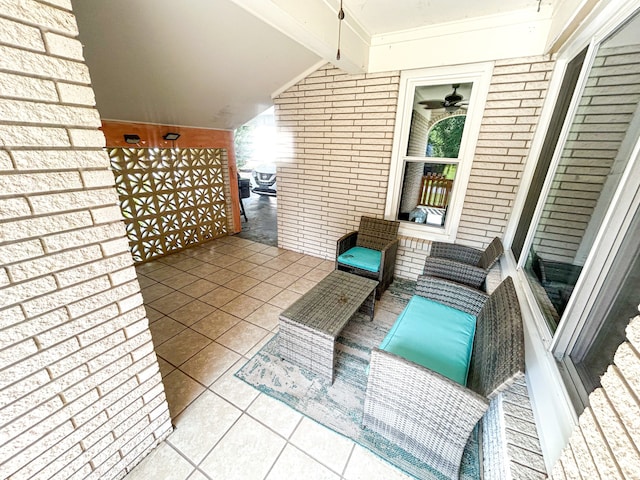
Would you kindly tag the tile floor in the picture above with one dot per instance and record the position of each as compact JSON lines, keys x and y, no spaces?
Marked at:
{"x":210,"y":309}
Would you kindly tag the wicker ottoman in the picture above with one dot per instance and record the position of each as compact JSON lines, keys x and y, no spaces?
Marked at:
{"x":309,"y":327}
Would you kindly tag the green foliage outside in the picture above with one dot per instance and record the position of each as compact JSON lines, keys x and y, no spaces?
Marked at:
{"x":243,"y":143}
{"x":445,"y":137}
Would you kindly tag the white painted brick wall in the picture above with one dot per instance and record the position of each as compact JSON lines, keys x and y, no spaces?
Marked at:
{"x":606,"y":442}
{"x":337,"y":133}
{"x":80,"y":389}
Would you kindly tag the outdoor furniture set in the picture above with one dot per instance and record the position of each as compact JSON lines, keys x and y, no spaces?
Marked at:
{"x":449,"y":353}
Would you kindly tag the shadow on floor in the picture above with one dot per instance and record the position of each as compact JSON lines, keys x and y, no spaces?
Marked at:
{"x":261,"y":225}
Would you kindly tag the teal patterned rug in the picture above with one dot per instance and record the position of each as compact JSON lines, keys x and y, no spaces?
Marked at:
{"x":339,"y":406}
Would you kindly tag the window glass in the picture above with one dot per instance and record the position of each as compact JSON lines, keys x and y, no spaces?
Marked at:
{"x":438,"y":120}
{"x":593,"y":158}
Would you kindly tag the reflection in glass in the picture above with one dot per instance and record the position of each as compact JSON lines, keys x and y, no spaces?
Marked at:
{"x":590,"y":167}
{"x":436,"y":130}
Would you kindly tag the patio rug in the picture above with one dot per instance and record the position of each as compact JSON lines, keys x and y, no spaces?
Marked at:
{"x":339,"y":406}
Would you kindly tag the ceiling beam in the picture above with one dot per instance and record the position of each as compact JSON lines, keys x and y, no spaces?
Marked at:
{"x":314,"y":24}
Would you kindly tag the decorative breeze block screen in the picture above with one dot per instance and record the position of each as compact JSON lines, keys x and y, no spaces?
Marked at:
{"x":170,"y":198}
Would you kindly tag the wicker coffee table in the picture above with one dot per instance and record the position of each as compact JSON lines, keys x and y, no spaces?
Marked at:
{"x":309,"y":327}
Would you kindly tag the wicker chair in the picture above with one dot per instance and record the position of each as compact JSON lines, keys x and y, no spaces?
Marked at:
{"x":429,"y":415}
{"x":462,"y":264}
{"x":372,"y":234}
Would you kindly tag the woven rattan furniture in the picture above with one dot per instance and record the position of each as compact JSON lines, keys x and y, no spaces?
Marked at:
{"x":461,"y":263}
{"x":429,"y":415}
{"x":309,"y":327}
{"x":374,"y":234}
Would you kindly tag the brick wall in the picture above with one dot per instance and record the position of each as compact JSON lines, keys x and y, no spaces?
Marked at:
{"x":605,"y":443}
{"x":606,"y":108}
{"x":338,"y":131}
{"x":80,"y":389}
{"x":516,"y":94}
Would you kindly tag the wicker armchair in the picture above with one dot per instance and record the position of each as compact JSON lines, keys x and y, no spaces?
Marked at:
{"x":462,"y":264}
{"x":424,"y":412}
{"x":372,"y":234}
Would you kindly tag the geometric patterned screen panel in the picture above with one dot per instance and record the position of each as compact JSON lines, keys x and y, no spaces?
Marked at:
{"x":170,"y":198}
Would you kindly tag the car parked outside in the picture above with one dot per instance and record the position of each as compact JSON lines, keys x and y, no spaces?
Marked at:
{"x":264,"y":179}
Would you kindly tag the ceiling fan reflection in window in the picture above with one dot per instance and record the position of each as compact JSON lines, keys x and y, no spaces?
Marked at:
{"x":451,"y":103}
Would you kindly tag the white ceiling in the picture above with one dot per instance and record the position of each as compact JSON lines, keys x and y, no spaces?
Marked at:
{"x":213,"y":64}
{"x":386,"y":16}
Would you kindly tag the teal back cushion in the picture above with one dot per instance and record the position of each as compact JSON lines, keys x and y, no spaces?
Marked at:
{"x":363,"y":258}
{"x":435,"y":336}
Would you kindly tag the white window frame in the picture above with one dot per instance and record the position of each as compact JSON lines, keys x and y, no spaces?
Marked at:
{"x":480,"y":75}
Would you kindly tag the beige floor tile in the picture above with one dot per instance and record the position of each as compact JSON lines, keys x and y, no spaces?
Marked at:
{"x":242,"y":306}
{"x":163,"y":462}
{"x":327,"y":265}
{"x":199,"y":288}
{"x":210,"y":363}
{"x":224,"y":260}
{"x":163,"y":273}
{"x":316,"y":274}
{"x":262,"y":273}
{"x":182,"y":347}
{"x":242,"y":337}
{"x":273,"y":251}
{"x":180,"y":280}
{"x":324,"y":445}
{"x":281,"y":279}
{"x":202,"y":424}
{"x":265,"y":316}
{"x":145,"y":281}
{"x":239,"y":252}
{"x":243,"y":266}
{"x":234,"y":390}
{"x":188,"y":263}
{"x":285,"y":298}
{"x":263,"y":291}
{"x":242,"y":283}
{"x":293,"y":463}
{"x":257,"y":247}
{"x":198,"y":475}
{"x":297,"y":270}
{"x":180,"y":390}
{"x":364,"y":465}
{"x":170,"y":302}
{"x":274,"y":414}
{"x":155,"y":291}
{"x":153,"y":314}
{"x":247,"y":451}
{"x":259,"y":258}
{"x":215,"y":324}
{"x":222,"y":276}
{"x":291,"y":256}
{"x":164,"y":329}
{"x":147,"y":267}
{"x":244,"y":242}
{"x":192,"y":312}
{"x":302,"y":285}
{"x":219,"y":296}
{"x":277,"y":263}
{"x":258,"y":346}
{"x":310,"y":261}
{"x":205,"y":270}
{"x":165,"y":367}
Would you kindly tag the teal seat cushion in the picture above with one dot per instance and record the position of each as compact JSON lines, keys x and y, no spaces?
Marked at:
{"x":435,"y":336}
{"x":363,"y":258}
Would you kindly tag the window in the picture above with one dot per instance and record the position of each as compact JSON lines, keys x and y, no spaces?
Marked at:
{"x":580,"y":259}
{"x":437,"y":126}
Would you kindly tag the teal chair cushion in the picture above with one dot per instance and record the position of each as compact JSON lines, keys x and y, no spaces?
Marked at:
{"x":363,"y":258}
{"x":435,"y":336}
